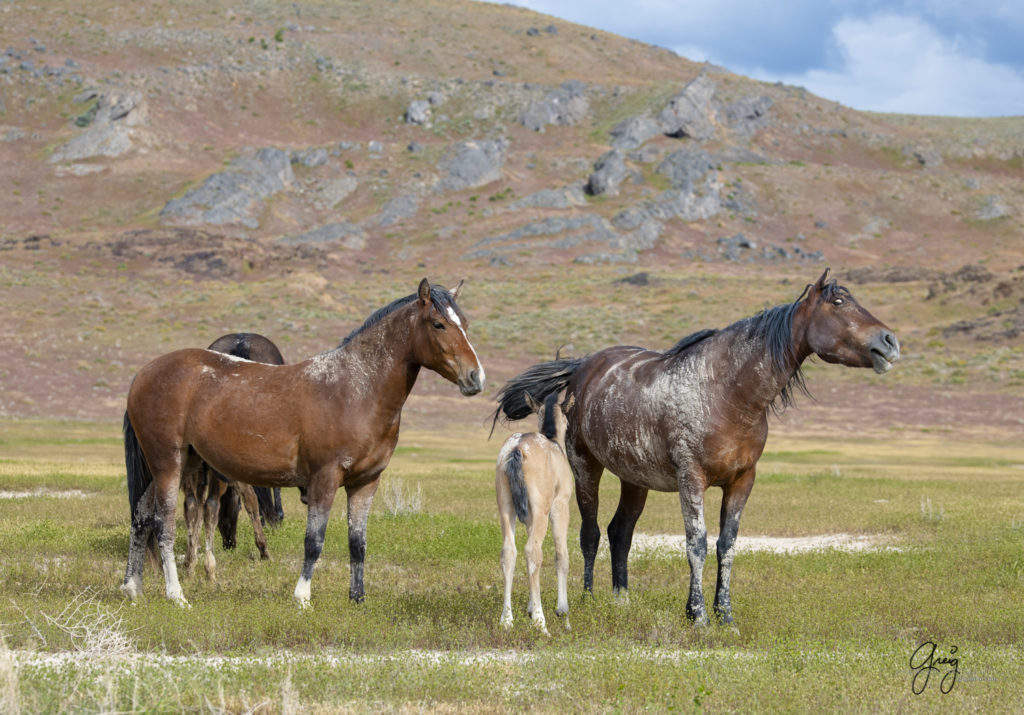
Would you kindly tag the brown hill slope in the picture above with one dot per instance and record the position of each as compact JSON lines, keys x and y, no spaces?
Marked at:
{"x":174,"y":172}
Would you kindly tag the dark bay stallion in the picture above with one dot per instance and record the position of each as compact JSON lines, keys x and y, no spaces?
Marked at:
{"x":693,"y":417}
{"x":328,"y":422}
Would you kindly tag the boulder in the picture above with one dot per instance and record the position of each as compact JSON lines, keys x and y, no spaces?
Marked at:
{"x":609,"y":171}
{"x":689,"y":113}
{"x":236,"y":194}
{"x":470,"y":164}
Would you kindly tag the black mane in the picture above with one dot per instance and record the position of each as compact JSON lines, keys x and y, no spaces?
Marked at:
{"x":441,"y":298}
{"x":548,"y":428}
{"x":688,"y":342}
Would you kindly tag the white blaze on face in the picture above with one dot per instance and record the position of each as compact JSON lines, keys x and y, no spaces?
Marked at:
{"x":453,"y":317}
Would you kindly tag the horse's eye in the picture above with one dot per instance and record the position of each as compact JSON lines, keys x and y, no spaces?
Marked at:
{"x":438,"y":325}
{"x":838,"y":301}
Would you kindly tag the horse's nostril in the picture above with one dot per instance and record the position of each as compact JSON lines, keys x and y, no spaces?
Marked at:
{"x":474,"y":375}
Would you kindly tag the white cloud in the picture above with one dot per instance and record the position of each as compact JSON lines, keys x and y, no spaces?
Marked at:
{"x":891,"y":63}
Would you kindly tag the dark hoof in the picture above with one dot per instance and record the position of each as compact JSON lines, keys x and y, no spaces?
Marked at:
{"x":356,"y":597}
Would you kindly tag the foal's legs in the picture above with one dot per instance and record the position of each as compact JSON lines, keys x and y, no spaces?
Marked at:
{"x":560,"y":532}
{"x":691,"y":499}
{"x":193,"y":485}
{"x":620,"y":532}
{"x":734,"y":497}
{"x":536,"y":528}
{"x":507,"y":518}
{"x":252,"y":506}
{"x":216,"y":489}
{"x":359,"y":500}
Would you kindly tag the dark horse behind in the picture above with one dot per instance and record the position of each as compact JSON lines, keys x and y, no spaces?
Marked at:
{"x":212,"y":498}
{"x":328,"y":422}
{"x":693,"y":417}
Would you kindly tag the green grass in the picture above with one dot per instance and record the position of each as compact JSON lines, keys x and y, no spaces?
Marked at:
{"x":818,"y":631}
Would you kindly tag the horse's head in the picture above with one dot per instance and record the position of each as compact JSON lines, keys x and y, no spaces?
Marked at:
{"x":440,"y":341}
{"x":840,"y":331}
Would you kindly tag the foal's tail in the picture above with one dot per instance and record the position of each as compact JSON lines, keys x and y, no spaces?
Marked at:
{"x":139,"y":479}
{"x":538,"y":381}
{"x":517,"y":483}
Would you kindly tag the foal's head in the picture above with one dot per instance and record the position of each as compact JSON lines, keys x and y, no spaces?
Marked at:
{"x":439,"y":339}
{"x":551,"y":416}
{"x":840,"y":331}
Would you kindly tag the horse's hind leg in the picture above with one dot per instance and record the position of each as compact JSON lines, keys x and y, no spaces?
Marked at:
{"x":507,"y":517}
{"x":252,"y":506}
{"x":166,"y":481}
{"x":734,"y":498}
{"x":536,"y":528}
{"x":587,"y":473}
{"x":141,"y":531}
{"x":620,"y":533}
{"x":560,"y":532}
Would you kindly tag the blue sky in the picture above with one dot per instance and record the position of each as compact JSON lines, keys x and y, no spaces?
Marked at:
{"x":947,"y":57}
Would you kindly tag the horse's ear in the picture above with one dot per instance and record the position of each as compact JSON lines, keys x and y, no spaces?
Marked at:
{"x":817,"y":289}
{"x":457,"y":289}
{"x":531,"y":403}
{"x":567,"y":405}
{"x":424,"y":292}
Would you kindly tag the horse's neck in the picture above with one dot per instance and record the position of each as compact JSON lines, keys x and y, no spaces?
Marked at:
{"x":754,"y":378}
{"x":379,"y":362}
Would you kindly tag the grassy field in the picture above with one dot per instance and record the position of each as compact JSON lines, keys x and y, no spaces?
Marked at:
{"x":824,"y":630}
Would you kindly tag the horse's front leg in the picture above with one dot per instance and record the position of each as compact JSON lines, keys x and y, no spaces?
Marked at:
{"x":691,"y":498}
{"x":321,"y":491}
{"x":359,"y":500}
{"x":734,"y":497}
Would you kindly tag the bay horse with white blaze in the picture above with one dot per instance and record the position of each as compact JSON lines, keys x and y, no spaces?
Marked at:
{"x":693,"y":417}
{"x":533,"y":483}
{"x":328,"y":422}
{"x":211,"y":499}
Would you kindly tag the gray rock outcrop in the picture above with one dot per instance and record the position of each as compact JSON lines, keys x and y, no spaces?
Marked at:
{"x":234,"y":196}
{"x":565,"y":106}
{"x":609,"y":171}
{"x":111,"y":127}
{"x":470,"y":164}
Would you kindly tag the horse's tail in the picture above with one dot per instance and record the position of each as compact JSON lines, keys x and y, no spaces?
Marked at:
{"x":268,"y":510}
{"x":139,"y":479}
{"x":517,"y":483}
{"x":539,"y":381}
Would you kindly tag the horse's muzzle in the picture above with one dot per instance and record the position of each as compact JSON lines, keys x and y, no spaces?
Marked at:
{"x":885,"y":350}
{"x":472,"y":383}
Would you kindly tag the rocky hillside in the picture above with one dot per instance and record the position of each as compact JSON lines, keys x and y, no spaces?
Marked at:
{"x":299,"y":163}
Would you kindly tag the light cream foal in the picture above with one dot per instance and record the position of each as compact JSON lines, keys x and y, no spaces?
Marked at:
{"x":534,"y":484}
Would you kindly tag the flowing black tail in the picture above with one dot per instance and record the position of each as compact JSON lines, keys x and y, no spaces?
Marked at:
{"x":268,"y":507}
{"x":139,"y":476}
{"x":517,"y":484}
{"x":139,"y":479}
{"x":539,"y":381}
